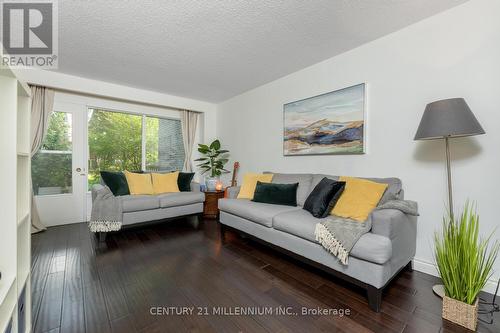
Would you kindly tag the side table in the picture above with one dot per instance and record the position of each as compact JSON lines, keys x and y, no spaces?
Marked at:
{"x":210,"y":207}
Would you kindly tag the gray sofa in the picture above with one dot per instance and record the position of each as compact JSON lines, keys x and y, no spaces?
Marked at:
{"x":375,"y":259}
{"x":144,"y":208}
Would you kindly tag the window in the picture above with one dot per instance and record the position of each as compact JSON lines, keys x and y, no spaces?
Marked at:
{"x":52,"y":165}
{"x":116,"y":140}
{"x":164,"y":145}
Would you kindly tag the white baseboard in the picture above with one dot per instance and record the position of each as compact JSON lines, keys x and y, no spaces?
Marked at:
{"x":430,"y":268}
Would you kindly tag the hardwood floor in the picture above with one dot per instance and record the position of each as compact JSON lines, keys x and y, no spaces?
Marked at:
{"x":77,"y":288}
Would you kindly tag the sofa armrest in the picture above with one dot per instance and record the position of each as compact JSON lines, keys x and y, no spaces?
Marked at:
{"x":392,"y":222}
{"x":95,"y":189}
{"x":233,"y":191}
{"x":195,"y":187}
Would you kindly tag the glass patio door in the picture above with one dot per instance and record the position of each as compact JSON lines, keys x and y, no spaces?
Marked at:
{"x":59,"y":171}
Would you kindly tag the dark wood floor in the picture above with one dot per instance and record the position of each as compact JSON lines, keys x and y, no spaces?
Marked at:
{"x":77,"y":288}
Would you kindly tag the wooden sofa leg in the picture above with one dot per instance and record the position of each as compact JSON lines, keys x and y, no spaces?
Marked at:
{"x":374,"y":298}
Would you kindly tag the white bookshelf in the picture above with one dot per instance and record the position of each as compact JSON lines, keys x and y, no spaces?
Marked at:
{"x":15,"y":199}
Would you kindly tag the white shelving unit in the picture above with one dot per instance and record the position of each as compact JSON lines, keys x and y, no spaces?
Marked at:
{"x":15,"y":202}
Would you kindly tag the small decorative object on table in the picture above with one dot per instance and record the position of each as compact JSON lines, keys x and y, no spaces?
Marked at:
{"x":213,"y":161}
{"x":465,"y":264}
{"x":211,"y":205}
{"x":219,"y":186}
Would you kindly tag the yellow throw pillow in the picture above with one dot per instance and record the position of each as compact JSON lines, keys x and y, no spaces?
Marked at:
{"x":165,"y":182}
{"x":139,"y":183}
{"x":250,"y":182}
{"x":359,"y":198}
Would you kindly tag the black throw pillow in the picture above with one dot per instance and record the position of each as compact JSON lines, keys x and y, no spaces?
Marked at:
{"x":324,"y":197}
{"x":184,"y":181}
{"x":277,"y":194}
{"x":116,"y":181}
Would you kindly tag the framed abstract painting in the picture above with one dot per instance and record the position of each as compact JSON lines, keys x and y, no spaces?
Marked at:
{"x":331,"y":123}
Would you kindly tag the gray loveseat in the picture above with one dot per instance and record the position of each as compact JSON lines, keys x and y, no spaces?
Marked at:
{"x":144,"y":208}
{"x":375,"y":259}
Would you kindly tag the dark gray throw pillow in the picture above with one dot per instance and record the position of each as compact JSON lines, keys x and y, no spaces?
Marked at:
{"x":324,"y":197}
{"x":116,"y":182}
{"x":184,"y":181}
{"x":277,"y":194}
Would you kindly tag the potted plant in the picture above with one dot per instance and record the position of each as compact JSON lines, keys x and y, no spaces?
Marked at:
{"x":213,"y":161}
{"x":465,"y":264}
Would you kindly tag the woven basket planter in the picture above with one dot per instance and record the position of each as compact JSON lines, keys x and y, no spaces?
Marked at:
{"x":460,"y":313}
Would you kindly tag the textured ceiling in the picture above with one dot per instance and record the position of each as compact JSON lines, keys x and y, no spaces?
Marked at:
{"x":215,"y":49}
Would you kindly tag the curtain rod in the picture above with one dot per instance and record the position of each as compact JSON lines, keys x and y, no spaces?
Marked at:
{"x":111,"y":98}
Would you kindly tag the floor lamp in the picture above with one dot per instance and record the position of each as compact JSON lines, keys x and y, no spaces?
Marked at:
{"x":445,"y":119}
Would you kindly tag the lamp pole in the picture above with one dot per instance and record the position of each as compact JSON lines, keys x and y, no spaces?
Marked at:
{"x":445,"y":119}
{"x":448,"y":169}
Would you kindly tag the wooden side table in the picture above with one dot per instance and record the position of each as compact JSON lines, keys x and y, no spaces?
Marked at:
{"x":210,"y":207}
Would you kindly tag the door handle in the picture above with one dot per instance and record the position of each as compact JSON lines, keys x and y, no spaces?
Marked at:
{"x":81,"y":171}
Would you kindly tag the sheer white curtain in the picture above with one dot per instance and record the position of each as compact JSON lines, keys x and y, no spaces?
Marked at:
{"x":42,"y":103}
{"x":189,"y":123}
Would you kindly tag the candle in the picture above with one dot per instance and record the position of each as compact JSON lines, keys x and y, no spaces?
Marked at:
{"x":218,"y":186}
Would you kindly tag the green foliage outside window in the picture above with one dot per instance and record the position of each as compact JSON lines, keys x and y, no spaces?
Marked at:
{"x":115,"y":143}
{"x":51,"y":166}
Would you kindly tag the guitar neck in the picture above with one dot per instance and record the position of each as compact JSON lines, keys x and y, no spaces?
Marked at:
{"x":235,"y":169}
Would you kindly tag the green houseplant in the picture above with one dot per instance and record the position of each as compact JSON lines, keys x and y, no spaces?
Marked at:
{"x":465,"y":263}
{"x":213,"y":161}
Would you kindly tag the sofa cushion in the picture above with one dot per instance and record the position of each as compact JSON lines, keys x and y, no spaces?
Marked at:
{"x":276,"y":194}
{"x":261,"y":213}
{"x":304,"y":180}
{"x":359,"y":198}
{"x":134,"y":203}
{"x":184,"y":181}
{"x":180,"y":199}
{"x":395,"y":187}
{"x":323,"y":197}
{"x":165,"y":182}
{"x":395,"y":184}
{"x":370,"y":247}
{"x":249,"y":184}
{"x":318,"y":177}
{"x":299,"y":223}
{"x":139,"y":183}
{"x":116,"y":181}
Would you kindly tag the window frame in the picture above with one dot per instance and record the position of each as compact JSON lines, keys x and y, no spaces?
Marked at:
{"x":143,"y":116}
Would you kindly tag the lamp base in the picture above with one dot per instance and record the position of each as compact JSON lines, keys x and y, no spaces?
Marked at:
{"x":438,"y":289}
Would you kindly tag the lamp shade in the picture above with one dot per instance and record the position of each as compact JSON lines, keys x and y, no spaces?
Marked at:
{"x":448,"y":118}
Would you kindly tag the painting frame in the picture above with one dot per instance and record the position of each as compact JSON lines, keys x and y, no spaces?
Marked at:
{"x":360,"y":149}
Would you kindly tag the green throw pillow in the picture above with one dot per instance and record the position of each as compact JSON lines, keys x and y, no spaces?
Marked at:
{"x":277,"y":194}
{"x":116,"y":182}
{"x":184,"y":181}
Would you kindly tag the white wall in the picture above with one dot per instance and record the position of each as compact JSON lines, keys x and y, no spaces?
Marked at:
{"x":453,"y":54}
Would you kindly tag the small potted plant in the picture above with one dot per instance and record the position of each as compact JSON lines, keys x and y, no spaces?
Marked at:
{"x":465,"y":264}
{"x":213,"y":161}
